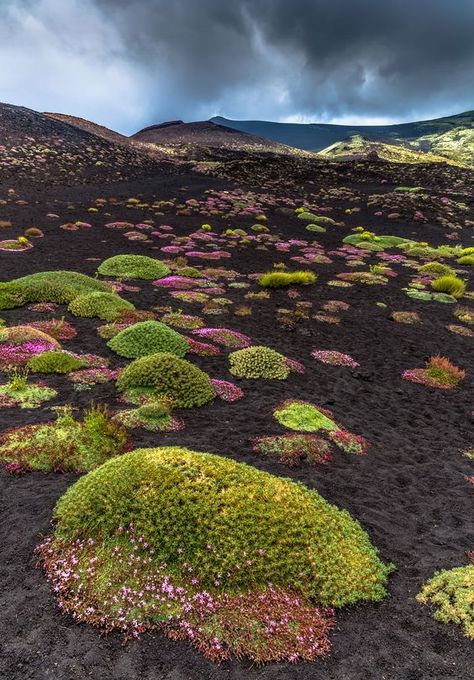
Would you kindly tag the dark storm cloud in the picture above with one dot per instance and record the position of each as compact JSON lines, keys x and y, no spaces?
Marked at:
{"x":132,"y":62}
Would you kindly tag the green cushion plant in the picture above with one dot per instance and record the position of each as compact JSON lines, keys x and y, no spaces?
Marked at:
{"x":436,"y":269}
{"x":105,"y":306}
{"x":19,"y":392}
{"x":370,"y":241}
{"x":148,"y":337}
{"x":166,"y":375}
{"x":466,"y":260}
{"x":322,"y":220}
{"x":55,"y":362}
{"x":258,"y":361}
{"x":304,"y":417}
{"x":133,"y":267}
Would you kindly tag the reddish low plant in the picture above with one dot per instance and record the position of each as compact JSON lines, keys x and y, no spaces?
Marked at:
{"x":59,"y":329}
{"x":439,"y":372}
{"x":349,"y":442}
{"x":293,"y":448}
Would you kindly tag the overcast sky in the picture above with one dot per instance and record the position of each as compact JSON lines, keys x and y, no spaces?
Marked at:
{"x":130,"y":63}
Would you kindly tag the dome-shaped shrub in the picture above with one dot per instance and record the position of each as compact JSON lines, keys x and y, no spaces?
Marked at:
{"x":165,"y":374}
{"x":55,"y":362}
{"x":436,"y":269}
{"x":258,"y":361}
{"x":148,"y":337}
{"x":56,"y":286}
{"x":213,"y":513}
{"x":106,"y":306}
{"x":133,"y":267}
{"x":466,"y":260}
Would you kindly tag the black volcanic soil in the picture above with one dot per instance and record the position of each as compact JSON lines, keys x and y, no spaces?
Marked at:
{"x":409,"y":492}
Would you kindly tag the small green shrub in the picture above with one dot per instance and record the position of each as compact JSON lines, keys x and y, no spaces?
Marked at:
{"x":436,"y":269}
{"x":280,"y":279}
{"x":258,"y":361}
{"x":54,"y":362}
{"x":413,"y":249}
{"x":189,"y":272}
{"x":106,"y":306}
{"x":452,"y":285}
{"x":322,"y":220}
{"x":451,"y":591}
{"x":133,"y":267}
{"x":466,"y":260}
{"x":153,"y":415}
{"x":148,"y":337}
{"x":166,"y":375}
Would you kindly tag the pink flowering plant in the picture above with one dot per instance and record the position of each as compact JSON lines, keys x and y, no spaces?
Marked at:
{"x":334,"y":358}
{"x":224,"y":336}
{"x":226,"y":390}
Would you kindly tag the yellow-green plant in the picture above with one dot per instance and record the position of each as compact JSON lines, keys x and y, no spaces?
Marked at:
{"x":277,"y":279}
{"x":451,"y":592}
{"x":259,"y":361}
{"x":452,"y":285}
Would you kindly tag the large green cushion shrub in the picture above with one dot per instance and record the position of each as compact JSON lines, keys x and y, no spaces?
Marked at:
{"x":214,"y":513}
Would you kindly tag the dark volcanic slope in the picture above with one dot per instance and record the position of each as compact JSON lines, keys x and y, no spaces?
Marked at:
{"x":205,"y":133}
{"x":36,"y":148}
{"x":89,"y":126}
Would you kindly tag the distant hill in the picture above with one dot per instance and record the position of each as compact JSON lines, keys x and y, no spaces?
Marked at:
{"x":89,"y":126}
{"x":452,"y":136}
{"x":51,"y":149}
{"x":205,"y":134}
{"x":359,"y":148}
